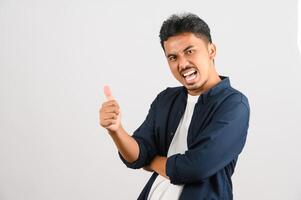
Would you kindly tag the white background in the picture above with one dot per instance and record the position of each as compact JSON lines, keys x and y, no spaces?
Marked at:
{"x":56,"y":56}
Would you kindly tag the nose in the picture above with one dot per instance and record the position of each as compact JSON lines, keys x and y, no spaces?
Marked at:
{"x":182,"y":62}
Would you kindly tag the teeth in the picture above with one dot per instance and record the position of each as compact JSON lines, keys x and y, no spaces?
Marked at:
{"x":190,"y":78}
{"x":188,"y":73}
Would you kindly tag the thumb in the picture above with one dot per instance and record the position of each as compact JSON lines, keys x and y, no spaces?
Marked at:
{"x":107,"y":92}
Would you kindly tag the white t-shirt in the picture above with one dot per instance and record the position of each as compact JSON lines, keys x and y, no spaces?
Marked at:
{"x":162,"y":189}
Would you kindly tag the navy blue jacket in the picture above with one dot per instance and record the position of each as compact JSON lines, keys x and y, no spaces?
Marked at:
{"x":216,"y":136}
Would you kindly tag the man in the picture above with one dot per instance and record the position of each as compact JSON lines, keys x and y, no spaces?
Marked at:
{"x":193,"y":134}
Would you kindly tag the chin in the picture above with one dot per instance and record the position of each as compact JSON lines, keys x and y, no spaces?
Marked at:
{"x":195,"y":86}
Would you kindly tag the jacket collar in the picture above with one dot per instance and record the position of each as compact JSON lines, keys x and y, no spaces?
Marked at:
{"x":205,"y":97}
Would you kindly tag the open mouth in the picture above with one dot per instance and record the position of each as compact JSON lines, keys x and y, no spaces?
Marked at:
{"x":190,"y":75}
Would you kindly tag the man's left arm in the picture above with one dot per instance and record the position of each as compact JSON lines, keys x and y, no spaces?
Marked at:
{"x":215,"y":147}
{"x":158,"y":164}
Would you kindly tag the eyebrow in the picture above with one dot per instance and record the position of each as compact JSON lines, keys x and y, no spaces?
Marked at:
{"x":172,"y":54}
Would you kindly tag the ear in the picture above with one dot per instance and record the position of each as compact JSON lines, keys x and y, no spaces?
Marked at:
{"x":212,"y":50}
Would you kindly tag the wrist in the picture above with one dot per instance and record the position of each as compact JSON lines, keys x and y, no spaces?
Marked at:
{"x":116,"y":132}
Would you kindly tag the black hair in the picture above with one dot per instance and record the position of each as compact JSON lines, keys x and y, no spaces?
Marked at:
{"x":186,"y":22}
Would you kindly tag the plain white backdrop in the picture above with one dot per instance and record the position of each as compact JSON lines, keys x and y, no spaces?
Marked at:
{"x":56,"y":56}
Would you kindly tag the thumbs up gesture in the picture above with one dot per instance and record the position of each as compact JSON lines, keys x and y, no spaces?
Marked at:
{"x":109,"y":113}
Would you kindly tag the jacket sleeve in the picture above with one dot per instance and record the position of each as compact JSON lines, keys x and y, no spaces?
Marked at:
{"x":144,"y":135}
{"x":215,"y":146}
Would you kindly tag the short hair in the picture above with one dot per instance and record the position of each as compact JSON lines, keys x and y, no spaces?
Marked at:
{"x":181,"y":23}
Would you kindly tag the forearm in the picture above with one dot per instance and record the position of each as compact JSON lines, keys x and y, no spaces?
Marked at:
{"x":126,"y":145}
{"x":158,"y":164}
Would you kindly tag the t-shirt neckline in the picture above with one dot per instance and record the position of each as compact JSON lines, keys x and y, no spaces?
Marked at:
{"x":191,"y":98}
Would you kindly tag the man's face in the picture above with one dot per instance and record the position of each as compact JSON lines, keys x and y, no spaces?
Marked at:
{"x":190,"y":59}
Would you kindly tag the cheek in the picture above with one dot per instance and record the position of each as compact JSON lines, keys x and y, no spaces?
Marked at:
{"x":202,"y":64}
{"x":175,"y":72}
{"x":173,"y":68}
{"x":200,"y":58}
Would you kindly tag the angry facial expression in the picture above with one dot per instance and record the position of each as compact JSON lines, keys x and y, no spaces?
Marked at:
{"x":190,"y":59}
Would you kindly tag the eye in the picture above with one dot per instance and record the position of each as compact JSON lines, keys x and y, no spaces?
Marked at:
{"x":172,"y":58}
{"x":190,"y":51}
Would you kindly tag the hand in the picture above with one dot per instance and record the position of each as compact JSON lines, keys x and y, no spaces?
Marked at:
{"x":109,"y":113}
